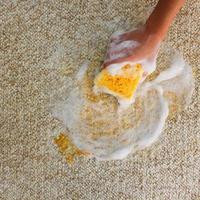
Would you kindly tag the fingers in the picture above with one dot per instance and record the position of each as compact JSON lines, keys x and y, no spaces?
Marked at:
{"x":121,"y":37}
{"x":130,"y":46}
{"x":125,"y":55}
{"x":121,"y":50}
{"x":119,"y":60}
{"x":136,"y":34}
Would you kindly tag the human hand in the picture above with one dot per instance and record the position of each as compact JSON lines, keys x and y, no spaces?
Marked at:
{"x":133,"y":46}
{"x":143,"y":43}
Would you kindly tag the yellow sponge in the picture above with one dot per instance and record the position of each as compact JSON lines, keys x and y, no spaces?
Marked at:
{"x":122,"y":84}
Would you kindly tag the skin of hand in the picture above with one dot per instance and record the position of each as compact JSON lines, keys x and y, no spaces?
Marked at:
{"x":148,"y":37}
{"x":148,"y":45}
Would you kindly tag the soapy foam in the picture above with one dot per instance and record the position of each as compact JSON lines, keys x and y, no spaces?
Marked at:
{"x":176,"y":81}
{"x":174,"y":70}
{"x":155,"y":130}
{"x":82,"y":71}
{"x":95,"y":125}
{"x":111,"y":146}
{"x":118,"y":50}
{"x":128,"y":44}
{"x":116,"y":55}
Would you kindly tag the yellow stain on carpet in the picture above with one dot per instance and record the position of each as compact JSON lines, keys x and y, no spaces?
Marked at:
{"x":67,"y":148}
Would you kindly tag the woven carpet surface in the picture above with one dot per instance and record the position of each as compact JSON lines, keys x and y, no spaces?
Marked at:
{"x":38,"y":39}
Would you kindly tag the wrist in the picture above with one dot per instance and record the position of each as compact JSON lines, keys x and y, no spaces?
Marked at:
{"x":153,"y":36}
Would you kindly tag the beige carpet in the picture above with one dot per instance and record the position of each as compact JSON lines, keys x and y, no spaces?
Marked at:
{"x":39,"y":39}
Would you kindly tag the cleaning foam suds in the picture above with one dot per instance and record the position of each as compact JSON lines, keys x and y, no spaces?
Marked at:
{"x":119,"y":48}
{"x":82,"y":71}
{"x":126,"y":44}
{"x":94,"y":123}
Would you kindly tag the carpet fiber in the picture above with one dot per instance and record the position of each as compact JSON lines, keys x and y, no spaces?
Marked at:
{"x":39,"y":40}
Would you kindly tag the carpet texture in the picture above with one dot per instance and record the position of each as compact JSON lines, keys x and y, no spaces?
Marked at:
{"x":39,"y":40}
